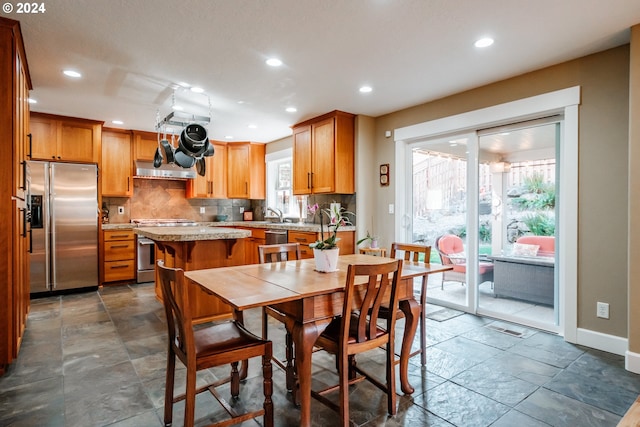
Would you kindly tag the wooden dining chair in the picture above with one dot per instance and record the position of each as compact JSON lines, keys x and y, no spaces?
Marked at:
{"x":413,"y":252}
{"x":276,"y":253}
{"x":206,"y":347}
{"x":354,"y":333}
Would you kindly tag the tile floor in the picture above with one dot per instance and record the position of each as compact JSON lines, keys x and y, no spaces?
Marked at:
{"x":97,"y":359}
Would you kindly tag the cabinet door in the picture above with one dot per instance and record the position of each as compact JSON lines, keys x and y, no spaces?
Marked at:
{"x":302,"y":160}
{"x":144,"y":145}
{"x":323,"y":156}
{"x":44,"y":138}
{"x":217,"y":171}
{"x":77,"y":142}
{"x":238,"y":171}
{"x":116,"y":164}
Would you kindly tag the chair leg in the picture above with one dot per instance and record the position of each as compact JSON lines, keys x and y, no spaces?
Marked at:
{"x":265,"y":320}
{"x":289,"y":368}
{"x":344,"y":371}
{"x":423,"y":315}
{"x":169,"y":385}
{"x":267,"y":375}
{"x":391,"y":379}
{"x":235,"y":380}
{"x":190,"y":399}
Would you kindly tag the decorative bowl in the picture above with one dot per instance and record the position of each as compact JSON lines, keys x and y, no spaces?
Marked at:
{"x":221,"y":218}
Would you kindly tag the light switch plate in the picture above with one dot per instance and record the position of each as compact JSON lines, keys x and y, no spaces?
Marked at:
{"x":391,"y":208}
{"x":202,"y":209}
{"x":602,"y":310}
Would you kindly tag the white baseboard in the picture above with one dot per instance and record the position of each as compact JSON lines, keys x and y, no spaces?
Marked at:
{"x":600,"y":341}
{"x":632,"y":362}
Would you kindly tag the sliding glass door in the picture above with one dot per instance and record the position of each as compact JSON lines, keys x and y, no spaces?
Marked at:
{"x":485,"y":202}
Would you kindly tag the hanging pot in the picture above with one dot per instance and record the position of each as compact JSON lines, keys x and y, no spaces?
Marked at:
{"x":157,"y":158}
{"x":168,"y":151}
{"x":193,"y":140}
{"x":209,"y":151}
{"x":184,"y":160}
{"x":201,"y":166}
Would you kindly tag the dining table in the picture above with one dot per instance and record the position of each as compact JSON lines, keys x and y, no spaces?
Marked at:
{"x":310,"y":300}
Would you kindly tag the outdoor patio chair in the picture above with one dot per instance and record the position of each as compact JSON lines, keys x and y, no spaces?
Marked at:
{"x":451,"y":251}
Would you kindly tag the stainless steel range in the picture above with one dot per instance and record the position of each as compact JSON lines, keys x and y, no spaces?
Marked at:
{"x":146,"y":247}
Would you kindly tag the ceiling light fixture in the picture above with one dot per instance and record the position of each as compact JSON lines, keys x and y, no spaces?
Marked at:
{"x":183,"y":84}
{"x":252,"y":126}
{"x":32,"y":101}
{"x":291,"y":109}
{"x":273,"y":62}
{"x":228,"y":137}
{"x":72,"y":73}
{"x":366,"y":89}
{"x":117,"y":122}
{"x":177,"y":107}
{"x":484,"y":42}
{"x":197,"y":89}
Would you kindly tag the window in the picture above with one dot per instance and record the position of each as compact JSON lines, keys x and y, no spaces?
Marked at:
{"x":279,"y":185}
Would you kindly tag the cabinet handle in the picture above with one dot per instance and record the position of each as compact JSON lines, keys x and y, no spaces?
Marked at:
{"x":119,"y":235}
{"x":308,"y":180}
{"x":24,"y":222}
{"x":24,"y":175}
{"x":119,"y":246}
{"x":246,"y":187}
{"x":113,"y":267}
{"x":311,"y":179}
{"x":30,"y":241}
{"x":301,"y":239}
{"x":30,"y":145}
{"x":128,"y":184}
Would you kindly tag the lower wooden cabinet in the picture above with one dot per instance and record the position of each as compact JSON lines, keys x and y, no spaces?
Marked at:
{"x":251,"y":244}
{"x":346,"y":242}
{"x":119,"y":249}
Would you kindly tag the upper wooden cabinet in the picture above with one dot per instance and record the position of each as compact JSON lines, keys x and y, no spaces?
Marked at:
{"x":323,"y":154}
{"x":116,"y":164}
{"x":245,"y":170}
{"x":144,"y":145}
{"x":59,"y":138}
{"x":214,"y":184}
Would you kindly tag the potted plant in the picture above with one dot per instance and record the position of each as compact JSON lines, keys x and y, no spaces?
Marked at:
{"x":372,"y":239}
{"x":326,"y":251}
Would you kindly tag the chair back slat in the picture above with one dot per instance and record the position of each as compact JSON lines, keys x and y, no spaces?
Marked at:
{"x":411,"y":251}
{"x":375,"y":291}
{"x":177,"y":308}
{"x":278,"y":252}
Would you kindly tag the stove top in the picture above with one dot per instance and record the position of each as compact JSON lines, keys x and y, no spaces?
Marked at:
{"x":163,"y":222}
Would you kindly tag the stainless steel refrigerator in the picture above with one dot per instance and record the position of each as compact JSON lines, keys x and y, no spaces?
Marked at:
{"x":64,"y":226}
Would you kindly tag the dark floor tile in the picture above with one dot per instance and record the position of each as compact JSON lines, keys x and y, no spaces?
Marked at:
{"x":146,"y":419}
{"x":514,"y":418}
{"x":445,"y":364}
{"x":95,"y":352}
{"x":492,"y":338}
{"x":532,"y":371}
{"x":497,"y":386}
{"x":561,"y":411}
{"x":462,"y":407}
{"x":409,"y":414}
{"x":468,"y":349}
{"x":548,"y":348}
{"x":606,"y":367}
{"x":39,"y":403}
{"x":36,"y":362}
{"x":146,"y":345}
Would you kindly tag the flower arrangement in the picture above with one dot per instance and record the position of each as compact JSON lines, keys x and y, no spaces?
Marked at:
{"x":311,"y":211}
{"x":371,"y":238}
{"x":337,"y":218}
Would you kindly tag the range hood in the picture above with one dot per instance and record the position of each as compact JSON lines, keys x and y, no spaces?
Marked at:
{"x":165,"y":171}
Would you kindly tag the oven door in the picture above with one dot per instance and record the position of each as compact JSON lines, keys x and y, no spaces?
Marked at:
{"x":146,"y":260}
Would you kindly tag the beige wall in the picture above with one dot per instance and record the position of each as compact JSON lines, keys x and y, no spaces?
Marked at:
{"x":634,"y":193}
{"x":603,"y":149}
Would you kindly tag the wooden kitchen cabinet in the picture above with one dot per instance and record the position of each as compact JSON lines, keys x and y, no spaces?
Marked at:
{"x":58,"y":138}
{"x":144,"y":145}
{"x":214,"y":184}
{"x":15,"y":85}
{"x":251,"y":244}
{"x":119,"y":252}
{"x":324,"y":155}
{"x":116,"y":164}
{"x":245,"y":170}
{"x":346,"y":242}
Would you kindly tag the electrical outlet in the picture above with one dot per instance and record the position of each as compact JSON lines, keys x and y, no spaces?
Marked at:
{"x":120,"y":210}
{"x":202,"y":209}
{"x":602,"y":310}
{"x":241,"y":209}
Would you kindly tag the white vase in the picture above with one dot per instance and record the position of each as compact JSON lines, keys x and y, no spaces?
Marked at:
{"x":326,"y":259}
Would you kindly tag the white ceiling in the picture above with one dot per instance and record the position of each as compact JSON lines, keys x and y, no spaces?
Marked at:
{"x":133,"y":53}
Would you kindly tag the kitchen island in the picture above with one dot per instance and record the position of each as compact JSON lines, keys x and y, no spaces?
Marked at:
{"x":195,"y":248}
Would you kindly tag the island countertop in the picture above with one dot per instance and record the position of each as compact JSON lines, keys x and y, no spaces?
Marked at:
{"x":190,"y":233}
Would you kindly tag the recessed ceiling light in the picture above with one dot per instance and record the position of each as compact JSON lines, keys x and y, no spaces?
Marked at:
{"x":228,"y":137}
{"x":177,"y":107}
{"x":72,"y":73}
{"x":252,"y":126}
{"x":183,"y":84}
{"x":484,"y":42}
{"x":291,"y":109}
{"x":366,"y":89}
{"x":32,"y":101}
{"x":117,"y":122}
{"x":273,"y":62}
{"x":197,"y":89}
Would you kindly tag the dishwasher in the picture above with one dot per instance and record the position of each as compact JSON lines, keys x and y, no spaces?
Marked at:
{"x":275,"y":237}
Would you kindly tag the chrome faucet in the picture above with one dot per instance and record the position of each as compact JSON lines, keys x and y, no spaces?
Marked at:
{"x":278,"y":213}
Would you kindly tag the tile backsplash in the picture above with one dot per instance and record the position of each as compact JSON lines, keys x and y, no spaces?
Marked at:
{"x":166,"y":199}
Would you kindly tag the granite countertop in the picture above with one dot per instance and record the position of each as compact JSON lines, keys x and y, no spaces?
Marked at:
{"x":313,"y":228}
{"x":190,"y":233}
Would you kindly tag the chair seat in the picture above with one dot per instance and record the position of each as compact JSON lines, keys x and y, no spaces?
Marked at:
{"x":483,"y":267}
{"x":222,"y":338}
{"x":332,"y":332}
